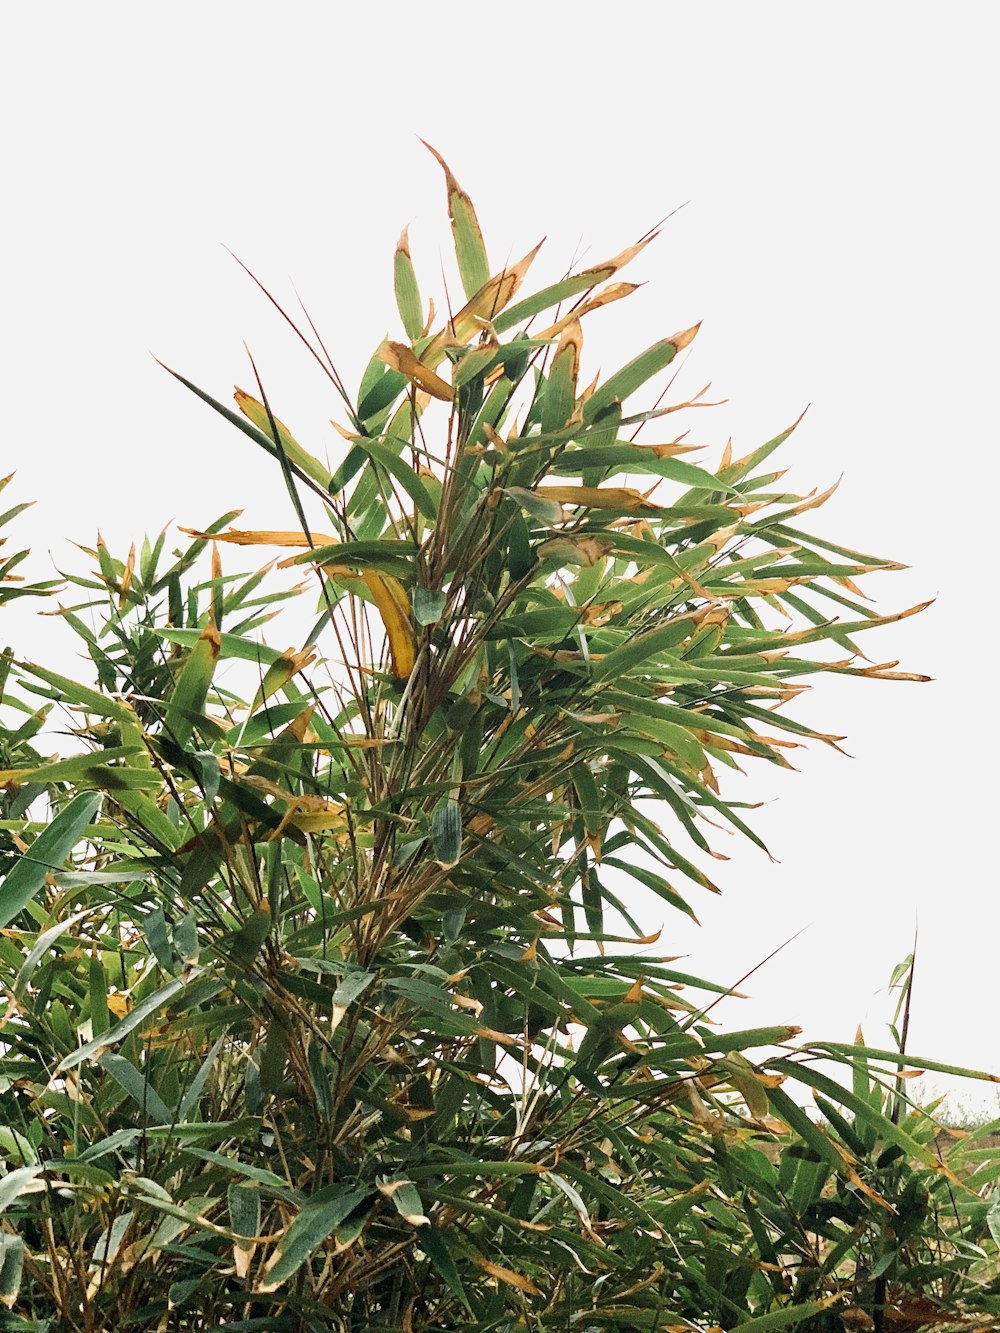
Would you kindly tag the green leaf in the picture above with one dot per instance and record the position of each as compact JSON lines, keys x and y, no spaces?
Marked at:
{"x":864,"y":1112}
{"x":406,"y":1200}
{"x":407,"y":292}
{"x":446,"y":833}
{"x":100,"y":1017}
{"x":560,"y":390}
{"x":48,"y":852}
{"x":903,"y":1059}
{"x":246,"y":943}
{"x":94,"y":768}
{"x":562,"y":290}
{"x":470,"y":250}
{"x":306,"y":467}
{"x":239,"y":1168}
{"x":796,"y":1119}
{"x":230,"y":645}
{"x":326,"y":1209}
{"x":401,"y":472}
{"x":41,"y":947}
{"x":11,"y":1267}
{"x":17,"y":1182}
{"x":145,"y":1009}
{"x":244,"y":1210}
{"x":633,"y":376}
{"x":71,"y":692}
{"x":138,"y":1088}
{"x":353,"y":985}
{"x":435,"y":1246}
{"x":548,"y":511}
{"x":189,"y":1101}
{"x":620,"y":661}
{"x":428,"y":604}
{"x":787,"y":1315}
{"x":15,"y":1147}
{"x":187,"y":701}
{"x":386,"y":556}
{"x":689,"y":474}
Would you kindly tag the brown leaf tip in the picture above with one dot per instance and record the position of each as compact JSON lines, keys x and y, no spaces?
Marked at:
{"x":683,"y":339}
{"x":450,"y":182}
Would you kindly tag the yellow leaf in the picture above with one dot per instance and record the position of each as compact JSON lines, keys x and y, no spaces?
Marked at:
{"x":616,"y":292}
{"x":397,"y":356}
{"x":502,"y":1038}
{"x":586,"y":551}
{"x":390,"y":597}
{"x":812,"y":501}
{"x":280,"y":672}
{"x":671,"y":449}
{"x":507,"y":1275}
{"x":257,"y":413}
{"x":625,"y":498}
{"x":242,"y":1255}
{"x":241,"y":537}
{"x":571,"y":345}
{"x":127,"y":576}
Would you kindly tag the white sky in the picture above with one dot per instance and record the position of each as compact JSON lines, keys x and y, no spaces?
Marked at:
{"x":839,"y":244}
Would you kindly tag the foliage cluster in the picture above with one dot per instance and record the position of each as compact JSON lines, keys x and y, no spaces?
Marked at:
{"x":329,"y":1001}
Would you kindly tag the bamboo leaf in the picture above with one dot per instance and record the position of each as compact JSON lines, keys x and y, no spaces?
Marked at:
{"x":138,"y":1087}
{"x":187,"y":702}
{"x":302,"y":460}
{"x":428,"y":605}
{"x":633,"y":376}
{"x":446,"y":833}
{"x":11,"y":1268}
{"x":41,"y":947}
{"x":435,"y":1246}
{"x":506,"y":1275}
{"x":22,"y":1180}
{"x":47,"y":853}
{"x":316,"y":1222}
{"x":397,"y":356}
{"x":407,"y":292}
{"x":469,"y":247}
{"x":133,"y":1019}
{"x":572,"y":286}
{"x":788,"y":1315}
{"x":401,"y":472}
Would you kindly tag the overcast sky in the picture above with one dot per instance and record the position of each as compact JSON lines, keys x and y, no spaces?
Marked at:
{"x":837,"y":163}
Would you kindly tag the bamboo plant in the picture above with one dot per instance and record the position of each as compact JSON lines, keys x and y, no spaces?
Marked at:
{"x":333,"y":994}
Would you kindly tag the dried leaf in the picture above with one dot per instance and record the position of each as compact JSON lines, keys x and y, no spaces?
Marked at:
{"x":397,"y":356}
{"x":506,"y":1275}
{"x":623,"y":498}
